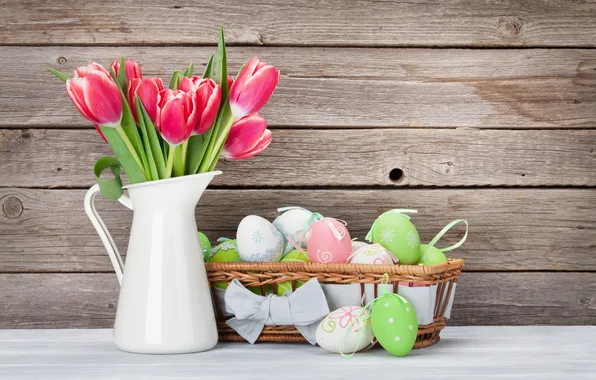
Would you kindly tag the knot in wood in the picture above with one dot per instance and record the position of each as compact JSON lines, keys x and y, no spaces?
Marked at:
{"x":12,"y":207}
{"x":510,"y":26}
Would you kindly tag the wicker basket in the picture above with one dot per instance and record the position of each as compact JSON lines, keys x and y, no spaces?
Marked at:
{"x":261,"y":274}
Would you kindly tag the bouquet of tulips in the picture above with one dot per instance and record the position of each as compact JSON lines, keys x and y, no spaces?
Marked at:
{"x":157,"y":133}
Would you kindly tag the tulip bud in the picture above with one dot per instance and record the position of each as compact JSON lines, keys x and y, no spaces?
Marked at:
{"x":176,"y":115}
{"x":208,"y":99}
{"x":253,"y":88}
{"x":133,"y":69}
{"x":96,"y":95}
{"x":248,"y":136}
{"x":148,"y":91}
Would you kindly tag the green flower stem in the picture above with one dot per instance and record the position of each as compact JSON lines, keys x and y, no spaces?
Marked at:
{"x":218,"y":139}
{"x":184,"y":154}
{"x":170,"y":163}
{"x":178,"y":161}
{"x":131,"y":149}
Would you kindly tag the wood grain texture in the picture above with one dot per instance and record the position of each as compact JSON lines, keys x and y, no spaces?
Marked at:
{"x":362,"y":157}
{"x":73,"y":300}
{"x":302,"y":22}
{"x":330,"y":87}
{"x":510,"y":229}
{"x":465,"y":353}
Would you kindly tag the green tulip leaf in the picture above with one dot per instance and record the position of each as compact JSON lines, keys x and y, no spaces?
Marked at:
{"x":154,"y":141}
{"x":152,"y":168}
{"x":175,"y":80}
{"x":130,"y":128}
{"x":63,"y":77}
{"x":189,"y":70}
{"x":221,"y":74}
{"x":122,"y":80}
{"x":115,"y":137}
{"x":110,"y":188}
{"x":208,"y":73}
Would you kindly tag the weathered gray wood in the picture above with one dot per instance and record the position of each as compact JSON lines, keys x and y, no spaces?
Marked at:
{"x":440,"y":157}
{"x":72,"y":300}
{"x":303,"y":22}
{"x":467,"y":353}
{"x":329,"y":87}
{"x":514,"y":229}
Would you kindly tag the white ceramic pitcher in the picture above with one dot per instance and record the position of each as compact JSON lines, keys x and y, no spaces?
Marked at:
{"x":165,"y":304}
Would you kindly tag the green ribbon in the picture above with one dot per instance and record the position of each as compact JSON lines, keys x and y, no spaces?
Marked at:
{"x":444,"y":230}
{"x":110,"y":188}
{"x":401,"y":211}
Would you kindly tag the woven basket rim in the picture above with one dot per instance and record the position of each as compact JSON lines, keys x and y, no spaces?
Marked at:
{"x":392,"y":269}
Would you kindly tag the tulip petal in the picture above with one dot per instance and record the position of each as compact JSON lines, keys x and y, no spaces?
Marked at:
{"x":148,"y":91}
{"x":75,"y":92}
{"x":173,"y":121}
{"x":259,"y":89}
{"x":262,"y":144}
{"x":103,"y":99}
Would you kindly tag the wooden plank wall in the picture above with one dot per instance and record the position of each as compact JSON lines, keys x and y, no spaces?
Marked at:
{"x":487,"y":109}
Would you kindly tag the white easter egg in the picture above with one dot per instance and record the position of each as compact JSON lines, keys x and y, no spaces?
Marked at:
{"x":258,"y":240}
{"x":356,"y":245}
{"x":373,"y":254}
{"x":347,"y":330}
{"x":293,"y":224}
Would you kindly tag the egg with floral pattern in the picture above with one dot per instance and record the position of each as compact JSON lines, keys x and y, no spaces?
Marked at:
{"x":394,"y":231}
{"x":394,"y":324}
{"x":258,"y":240}
{"x":373,"y":254}
{"x":345,"y":330}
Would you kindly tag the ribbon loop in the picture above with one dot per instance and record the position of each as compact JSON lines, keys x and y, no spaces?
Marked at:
{"x":447,"y":228}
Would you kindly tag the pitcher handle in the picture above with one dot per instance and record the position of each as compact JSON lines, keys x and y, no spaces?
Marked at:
{"x":102,"y":230}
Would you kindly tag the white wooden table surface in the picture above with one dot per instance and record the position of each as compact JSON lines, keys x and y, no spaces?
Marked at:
{"x":464,"y":353}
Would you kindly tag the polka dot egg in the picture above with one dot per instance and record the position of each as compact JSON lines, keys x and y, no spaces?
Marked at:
{"x":394,"y":324}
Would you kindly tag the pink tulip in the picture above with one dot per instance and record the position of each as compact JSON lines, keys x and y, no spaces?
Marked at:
{"x":253,"y":88}
{"x":148,"y":91}
{"x":208,"y":99}
{"x":230,"y":82}
{"x":133,"y":69}
{"x":176,"y":115}
{"x":248,"y":136}
{"x":96,"y":95}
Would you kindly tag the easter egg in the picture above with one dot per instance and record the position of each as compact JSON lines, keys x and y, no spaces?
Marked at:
{"x":293,"y":224}
{"x":258,"y":240}
{"x":261,"y":291}
{"x":430,"y":255}
{"x":394,"y":324}
{"x":373,"y":254}
{"x":224,"y":252}
{"x":205,"y":246}
{"x":329,"y":242}
{"x":394,"y":231}
{"x":356,"y":245}
{"x":346,"y":330}
{"x":292,"y":257}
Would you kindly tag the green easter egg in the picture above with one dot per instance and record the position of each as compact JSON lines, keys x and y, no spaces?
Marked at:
{"x":205,"y":246}
{"x":394,"y":324}
{"x":430,"y":255}
{"x":292,"y":257}
{"x":395,"y":232}
{"x":259,"y":291}
{"x":225,"y":252}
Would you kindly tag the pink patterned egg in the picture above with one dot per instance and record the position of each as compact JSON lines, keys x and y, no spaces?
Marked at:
{"x":329,"y":242}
